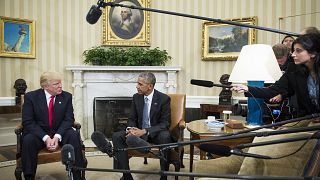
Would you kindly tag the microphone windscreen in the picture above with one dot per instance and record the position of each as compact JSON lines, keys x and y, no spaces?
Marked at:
{"x":216,"y":149}
{"x":134,"y":141}
{"x":67,"y":154}
{"x":102,"y":142}
{"x":93,"y":14}
{"x":201,"y":83}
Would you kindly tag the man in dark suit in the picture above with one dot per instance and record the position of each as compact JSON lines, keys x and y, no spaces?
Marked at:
{"x":149,"y":120}
{"x":47,"y":118}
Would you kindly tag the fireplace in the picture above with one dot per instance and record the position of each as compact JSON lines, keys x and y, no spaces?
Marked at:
{"x":94,"y":82}
{"x":110,"y":114}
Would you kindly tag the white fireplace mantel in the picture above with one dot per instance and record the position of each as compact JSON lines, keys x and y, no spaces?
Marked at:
{"x":112,"y":81}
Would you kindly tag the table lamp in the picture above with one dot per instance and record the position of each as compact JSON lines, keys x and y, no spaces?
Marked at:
{"x":256,"y":64}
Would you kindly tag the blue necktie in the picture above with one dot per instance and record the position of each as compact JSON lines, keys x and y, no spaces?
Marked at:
{"x":145,"y":120}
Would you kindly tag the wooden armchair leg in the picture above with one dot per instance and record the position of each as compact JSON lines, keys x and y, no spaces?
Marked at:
{"x":181,"y":158}
{"x":145,"y":161}
{"x":18,"y":173}
{"x":83,"y":173}
{"x":176,"y":169}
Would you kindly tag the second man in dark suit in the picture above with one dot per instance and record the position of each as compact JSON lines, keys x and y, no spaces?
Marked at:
{"x":149,"y":120}
{"x":47,"y":119}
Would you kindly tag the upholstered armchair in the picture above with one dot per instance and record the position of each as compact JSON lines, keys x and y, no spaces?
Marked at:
{"x":177,"y":125}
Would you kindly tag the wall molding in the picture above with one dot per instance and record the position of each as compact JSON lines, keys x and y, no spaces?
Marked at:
{"x":192,"y":101}
{"x":7,"y":101}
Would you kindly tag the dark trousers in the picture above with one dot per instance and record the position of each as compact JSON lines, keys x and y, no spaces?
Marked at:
{"x":119,"y":141}
{"x":31,"y":145}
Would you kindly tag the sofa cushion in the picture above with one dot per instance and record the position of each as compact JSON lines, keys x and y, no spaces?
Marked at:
{"x":292,"y":165}
{"x":223,"y":165}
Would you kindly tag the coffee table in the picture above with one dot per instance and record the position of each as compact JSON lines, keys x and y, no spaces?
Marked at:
{"x":199,"y":130}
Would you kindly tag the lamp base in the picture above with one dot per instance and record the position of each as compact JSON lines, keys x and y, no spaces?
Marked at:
{"x":255,"y":110}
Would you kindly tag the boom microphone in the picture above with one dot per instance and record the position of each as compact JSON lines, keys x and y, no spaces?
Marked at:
{"x":102,"y":143}
{"x":93,"y":14}
{"x":67,"y":154}
{"x":67,"y":158}
{"x":207,"y":83}
{"x":135,"y":142}
{"x":95,"y":11}
{"x":222,"y":150}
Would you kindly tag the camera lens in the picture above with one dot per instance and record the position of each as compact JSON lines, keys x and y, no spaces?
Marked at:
{"x":240,"y":109}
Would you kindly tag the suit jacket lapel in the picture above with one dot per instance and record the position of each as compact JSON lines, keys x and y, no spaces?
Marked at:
{"x":154,"y":105}
{"x":140,"y":108}
{"x":57,"y":109}
{"x":44,"y":106}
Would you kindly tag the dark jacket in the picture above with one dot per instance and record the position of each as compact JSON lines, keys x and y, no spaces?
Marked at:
{"x":160,"y":114}
{"x":294,"y":80}
{"x":35,"y":114}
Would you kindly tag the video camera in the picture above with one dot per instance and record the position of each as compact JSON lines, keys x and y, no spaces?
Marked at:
{"x":271,"y":112}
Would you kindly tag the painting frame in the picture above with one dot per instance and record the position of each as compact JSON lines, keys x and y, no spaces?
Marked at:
{"x":17,"y":37}
{"x":216,"y":48}
{"x":118,"y":31}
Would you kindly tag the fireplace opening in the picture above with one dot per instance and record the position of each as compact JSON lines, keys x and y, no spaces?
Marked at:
{"x":110,"y":114}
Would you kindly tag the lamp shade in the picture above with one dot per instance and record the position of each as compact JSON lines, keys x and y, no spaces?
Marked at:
{"x":256,"y":62}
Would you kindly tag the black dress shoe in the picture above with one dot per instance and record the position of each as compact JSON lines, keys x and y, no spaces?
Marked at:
{"x":127,"y":176}
{"x":163,"y":178}
{"x":77,"y":175}
{"x":29,"y":177}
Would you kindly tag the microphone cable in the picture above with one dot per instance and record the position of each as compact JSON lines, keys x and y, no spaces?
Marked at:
{"x":283,"y":104}
{"x":274,"y":119}
{"x":261,"y":110}
{"x":297,"y":150}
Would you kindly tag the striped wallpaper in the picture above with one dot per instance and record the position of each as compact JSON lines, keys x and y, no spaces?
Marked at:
{"x":62,"y":34}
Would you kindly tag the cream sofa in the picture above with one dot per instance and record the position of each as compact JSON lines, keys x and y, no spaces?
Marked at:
{"x":305,"y":162}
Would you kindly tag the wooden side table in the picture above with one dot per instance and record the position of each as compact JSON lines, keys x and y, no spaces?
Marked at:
{"x":216,"y":109}
{"x":199,"y":130}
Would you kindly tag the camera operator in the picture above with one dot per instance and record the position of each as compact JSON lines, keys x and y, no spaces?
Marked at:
{"x":301,"y":77}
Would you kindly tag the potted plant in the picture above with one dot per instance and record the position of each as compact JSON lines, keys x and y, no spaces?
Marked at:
{"x":133,"y":56}
{"x":95,"y":56}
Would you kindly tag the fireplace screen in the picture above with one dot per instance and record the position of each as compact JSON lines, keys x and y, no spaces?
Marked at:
{"x":110,"y":114}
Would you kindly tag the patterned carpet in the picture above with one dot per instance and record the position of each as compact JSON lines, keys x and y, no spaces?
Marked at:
{"x":96,"y":159}
{"x":8,"y":154}
{"x":57,"y":171}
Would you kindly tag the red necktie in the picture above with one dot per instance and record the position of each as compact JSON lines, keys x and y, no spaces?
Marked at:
{"x":50,"y":111}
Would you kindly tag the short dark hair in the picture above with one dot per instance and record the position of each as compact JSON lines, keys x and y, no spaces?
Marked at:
{"x":149,"y":77}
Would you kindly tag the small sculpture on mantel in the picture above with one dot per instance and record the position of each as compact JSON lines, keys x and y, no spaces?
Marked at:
{"x":225,"y":95}
{"x":21,"y":86}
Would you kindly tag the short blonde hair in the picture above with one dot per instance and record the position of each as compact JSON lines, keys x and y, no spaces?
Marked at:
{"x":46,"y":77}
